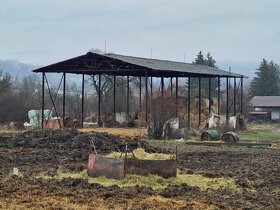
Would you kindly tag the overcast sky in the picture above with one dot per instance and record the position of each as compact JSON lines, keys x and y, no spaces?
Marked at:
{"x":238,"y":33}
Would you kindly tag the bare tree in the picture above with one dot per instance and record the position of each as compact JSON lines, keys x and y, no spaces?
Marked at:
{"x":163,"y":108}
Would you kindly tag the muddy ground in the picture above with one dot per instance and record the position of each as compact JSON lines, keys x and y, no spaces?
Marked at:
{"x":256,"y":171}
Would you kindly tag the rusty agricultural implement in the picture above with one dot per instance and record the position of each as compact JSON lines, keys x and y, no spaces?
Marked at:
{"x":99,"y":165}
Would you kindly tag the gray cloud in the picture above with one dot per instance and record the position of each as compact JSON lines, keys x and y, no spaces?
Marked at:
{"x":234,"y":31}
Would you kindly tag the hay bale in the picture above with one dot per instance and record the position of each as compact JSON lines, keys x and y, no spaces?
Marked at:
{"x":230,"y":137}
{"x":210,"y":135}
{"x":77,"y":123}
{"x":139,"y":123}
{"x":68,"y":122}
{"x":108,"y":117}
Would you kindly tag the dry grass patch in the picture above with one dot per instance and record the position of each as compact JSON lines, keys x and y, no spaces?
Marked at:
{"x":153,"y":181}
{"x":140,"y":154}
{"x":122,"y":132}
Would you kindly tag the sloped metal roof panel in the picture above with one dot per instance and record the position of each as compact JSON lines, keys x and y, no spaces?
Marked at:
{"x":164,"y":65}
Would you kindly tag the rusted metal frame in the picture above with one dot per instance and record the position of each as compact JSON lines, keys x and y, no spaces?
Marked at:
{"x":127,"y":95}
{"x":43,"y":99}
{"x":99,"y":99}
{"x":146,"y":103}
{"x":176,"y":95}
{"x":241,"y":99}
{"x":234,"y":97}
{"x":171,"y":86}
{"x":54,"y":98}
{"x":209,"y":94}
{"x":227,"y":100}
{"x":151,"y":87}
{"x":52,"y":101}
{"x":140,"y":92}
{"x":83,"y":98}
{"x":63,"y":97}
{"x":114,"y":96}
{"x":219,"y":95}
{"x":189,"y":101}
{"x":199,"y":101}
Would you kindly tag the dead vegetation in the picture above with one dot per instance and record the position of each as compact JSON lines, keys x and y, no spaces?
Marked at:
{"x":53,"y":176}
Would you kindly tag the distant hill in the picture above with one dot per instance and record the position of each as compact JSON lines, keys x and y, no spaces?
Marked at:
{"x":16,"y":68}
{"x":20,"y":70}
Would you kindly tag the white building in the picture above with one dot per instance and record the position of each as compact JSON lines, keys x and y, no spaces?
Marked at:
{"x":267,"y":103}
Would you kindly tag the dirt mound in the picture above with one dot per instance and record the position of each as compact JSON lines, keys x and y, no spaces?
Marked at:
{"x":72,"y":139}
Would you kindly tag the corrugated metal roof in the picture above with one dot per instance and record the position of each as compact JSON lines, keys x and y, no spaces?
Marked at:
{"x":164,"y":65}
{"x":265,"y":101}
{"x":94,"y":63}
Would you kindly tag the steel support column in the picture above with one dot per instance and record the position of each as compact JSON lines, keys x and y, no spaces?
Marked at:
{"x":162,"y":85}
{"x":234,"y":97}
{"x":151,"y":87}
{"x":199,"y":101}
{"x":146,"y":103}
{"x":127,"y":95}
{"x":43,"y":99}
{"x":189,"y":102}
{"x":227,"y":110}
{"x":114,"y":96}
{"x":176,"y":95}
{"x":140,"y":92}
{"x":63,"y":99}
{"x":219,"y":95}
{"x":99,"y":99}
{"x":209,"y":94}
{"x":171,"y":86}
{"x":83,"y":96}
{"x":241,"y":100}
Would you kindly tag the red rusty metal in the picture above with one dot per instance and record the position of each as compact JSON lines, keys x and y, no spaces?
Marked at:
{"x":53,"y":123}
{"x":117,"y":168}
{"x":163,"y":168}
{"x":102,"y":166}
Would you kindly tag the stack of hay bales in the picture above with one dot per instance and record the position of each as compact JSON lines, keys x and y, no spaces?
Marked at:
{"x":108,"y":121}
{"x":140,"y":120}
{"x":194,"y":110}
{"x":182,"y":108}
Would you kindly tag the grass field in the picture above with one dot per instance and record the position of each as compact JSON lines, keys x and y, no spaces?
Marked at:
{"x":261,"y":132}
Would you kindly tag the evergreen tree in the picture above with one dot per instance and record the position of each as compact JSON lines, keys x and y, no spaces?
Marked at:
{"x":208,"y":61}
{"x":267,"y":80}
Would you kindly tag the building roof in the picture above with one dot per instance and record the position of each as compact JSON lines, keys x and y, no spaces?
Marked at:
{"x":260,"y":112}
{"x":265,"y":101}
{"x":165,"y":65}
{"x":120,"y":65}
